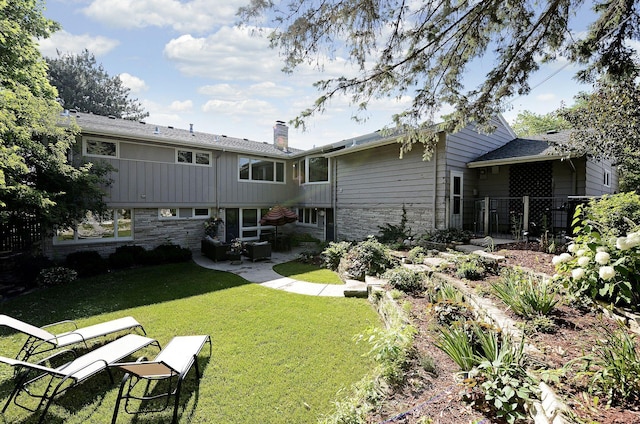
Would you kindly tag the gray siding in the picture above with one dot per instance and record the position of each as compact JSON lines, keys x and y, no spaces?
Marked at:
{"x":372,"y":186}
{"x":315,"y":195}
{"x":594,"y":178}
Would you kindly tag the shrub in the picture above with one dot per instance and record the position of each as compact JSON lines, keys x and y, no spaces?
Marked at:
{"x":56,"y":276}
{"x":334,"y":253}
{"x":446,"y":236}
{"x":369,"y":257}
{"x":470,"y":268}
{"x":390,"y":233}
{"x":165,"y":253}
{"x":405,"y":280}
{"x":87,"y":263}
{"x":126,"y":256}
{"x":601,"y":267}
{"x":616,"y":214}
{"x":28,"y":268}
{"x":416,"y":255}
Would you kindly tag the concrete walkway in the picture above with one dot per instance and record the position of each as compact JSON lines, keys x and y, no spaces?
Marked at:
{"x":261,"y":272}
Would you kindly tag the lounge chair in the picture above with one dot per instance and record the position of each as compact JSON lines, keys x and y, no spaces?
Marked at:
{"x":71,"y":373}
{"x":172,"y":365}
{"x":40,"y":340}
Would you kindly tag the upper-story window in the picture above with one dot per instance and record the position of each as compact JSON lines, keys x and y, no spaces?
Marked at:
{"x":313,"y":170}
{"x":94,"y":147}
{"x":193,"y":157}
{"x":254,"y":169}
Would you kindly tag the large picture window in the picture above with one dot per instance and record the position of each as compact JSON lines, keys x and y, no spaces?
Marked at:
{"x":313,"y":170}
{"x":113,"y":225}
{"x":254,"y":169}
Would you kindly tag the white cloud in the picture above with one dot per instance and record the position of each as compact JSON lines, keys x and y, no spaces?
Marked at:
{"x":229,"y":54}
{"x":180,"y":106}
{"x":222,"y":91}
{"x":238,"y":108}
{"x":135,"y":84}
{"x":67,"y":43}
{"x":191,"y":16}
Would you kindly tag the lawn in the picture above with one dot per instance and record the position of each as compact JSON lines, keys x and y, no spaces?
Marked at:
{"x":277,"y":357}
{"x":307,"y":272}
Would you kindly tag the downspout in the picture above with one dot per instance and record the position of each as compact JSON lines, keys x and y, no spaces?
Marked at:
{"x":334,"y":199}
{"x":435,"y":186}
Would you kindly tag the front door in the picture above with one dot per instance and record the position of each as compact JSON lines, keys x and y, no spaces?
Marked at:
{"x":456,"y":199}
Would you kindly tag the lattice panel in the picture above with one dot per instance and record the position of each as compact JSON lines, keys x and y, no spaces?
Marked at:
{"x":536,"y":181}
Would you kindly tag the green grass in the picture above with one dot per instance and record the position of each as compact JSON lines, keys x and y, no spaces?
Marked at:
{"x":307,"y":272}
{"x":277,"y":357}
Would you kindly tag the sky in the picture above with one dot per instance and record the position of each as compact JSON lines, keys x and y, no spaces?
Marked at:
{"x":188,"y":63}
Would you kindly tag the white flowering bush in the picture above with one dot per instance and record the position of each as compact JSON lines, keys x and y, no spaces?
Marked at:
{"x":56,"y":276}
{"x":601,"y":267}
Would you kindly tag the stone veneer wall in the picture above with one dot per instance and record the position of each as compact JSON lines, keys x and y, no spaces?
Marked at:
{"x":359,"y":223}
{"x":149,"y":232}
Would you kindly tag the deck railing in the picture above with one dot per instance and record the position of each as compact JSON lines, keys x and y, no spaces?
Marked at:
{"x":512,"y":216}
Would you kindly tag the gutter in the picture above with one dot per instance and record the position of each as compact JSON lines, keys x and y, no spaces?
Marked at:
{"x":519,"y":159}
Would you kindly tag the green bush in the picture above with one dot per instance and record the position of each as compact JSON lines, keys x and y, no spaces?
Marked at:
{"x":334,"y":253}
{"x":87,"y":263}
{"x":616,"y":214}
{"x":165,"y":253}
{"x":446,"y":236}
{"x":369,"y":257}
{"x":28,"y":268}
{"x":56,"y":276}
{"x":417,"y":255}
{"x":405,"y":280}
{"x":126,"y":256}
{"x":469,"y":267}
{"x":390,"y":233}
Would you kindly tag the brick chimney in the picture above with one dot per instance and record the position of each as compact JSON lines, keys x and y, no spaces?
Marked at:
{"x":281,"y":136}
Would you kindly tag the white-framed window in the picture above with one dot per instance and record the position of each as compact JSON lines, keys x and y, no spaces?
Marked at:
{"x":113,"y":225}
{"x":314,"y":169}
{"x":193,"y":157}
{"x":258,"y":169}
{"x":606,"y":178}
{"x":100,"y":148}
{"x":307,"y":216}
{"x":250,"y":227}
{"x":183,"y":213}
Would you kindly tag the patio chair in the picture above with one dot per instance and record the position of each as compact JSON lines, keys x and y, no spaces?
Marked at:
{"x":169,"y":369}
{"x":55,"y":381}
{"x":40,"y":340}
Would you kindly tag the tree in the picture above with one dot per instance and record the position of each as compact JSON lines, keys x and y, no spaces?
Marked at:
{"x":607,"y":125}
{"x":530,"y":123}
{"x":426,"y":48}
{"x":84,"y":85}
{"x":35,"y":176}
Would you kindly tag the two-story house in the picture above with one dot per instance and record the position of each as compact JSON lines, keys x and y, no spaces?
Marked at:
{"x":168,"y":181}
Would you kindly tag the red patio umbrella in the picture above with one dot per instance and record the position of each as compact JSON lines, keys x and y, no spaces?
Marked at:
{"x":278,"y":215}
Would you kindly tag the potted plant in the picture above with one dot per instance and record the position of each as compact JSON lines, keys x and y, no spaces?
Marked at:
{"x":211,"y":226}
{"x":235,"y":250}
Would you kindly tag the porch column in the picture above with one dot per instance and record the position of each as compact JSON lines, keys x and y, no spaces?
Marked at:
{"x":486,"y":216}
{"x":525,"y":214}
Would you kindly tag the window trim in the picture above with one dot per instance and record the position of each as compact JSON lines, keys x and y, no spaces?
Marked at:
{"x":311,"y":212}
{"x":275,"y":170}
{"x":178,"y":217}
{"x":606,"y":178}
{"x":85,"y":141}
{"x":304,"y":173}
{"x":115,"y":239}
{"x":194,"y":154}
